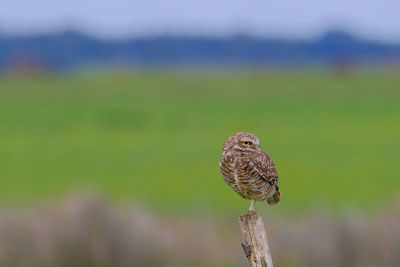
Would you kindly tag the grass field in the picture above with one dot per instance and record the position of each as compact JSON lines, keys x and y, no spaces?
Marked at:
{"x":155,"y":137}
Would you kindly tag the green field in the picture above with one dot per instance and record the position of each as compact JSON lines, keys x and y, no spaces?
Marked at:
{"x":155,"y":137}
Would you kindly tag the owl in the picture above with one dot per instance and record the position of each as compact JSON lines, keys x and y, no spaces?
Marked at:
{"x":248,"y":170}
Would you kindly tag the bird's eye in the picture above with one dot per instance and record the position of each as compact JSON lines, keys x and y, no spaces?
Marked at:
{"x":248,"y":143}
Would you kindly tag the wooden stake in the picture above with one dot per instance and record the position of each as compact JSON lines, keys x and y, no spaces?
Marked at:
{"x":255,"y":242}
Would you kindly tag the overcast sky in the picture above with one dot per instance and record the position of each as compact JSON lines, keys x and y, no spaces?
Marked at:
{"x":374,"y":19}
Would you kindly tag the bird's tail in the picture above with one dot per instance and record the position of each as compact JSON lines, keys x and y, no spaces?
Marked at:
{"x":276,"y":196}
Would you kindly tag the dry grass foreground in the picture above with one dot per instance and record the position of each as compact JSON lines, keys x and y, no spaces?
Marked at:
{"x":86,"y":231}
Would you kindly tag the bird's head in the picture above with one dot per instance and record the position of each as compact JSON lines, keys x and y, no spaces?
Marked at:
{"x":243,"y":142}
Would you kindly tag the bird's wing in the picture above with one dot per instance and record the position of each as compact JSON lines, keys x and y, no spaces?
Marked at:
{"x":266,"y":168}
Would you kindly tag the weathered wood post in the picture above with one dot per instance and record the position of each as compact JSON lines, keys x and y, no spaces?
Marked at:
{"x":255,"y":242}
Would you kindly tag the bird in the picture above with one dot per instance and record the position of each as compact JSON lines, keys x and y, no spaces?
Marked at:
{"x":248,"y":170}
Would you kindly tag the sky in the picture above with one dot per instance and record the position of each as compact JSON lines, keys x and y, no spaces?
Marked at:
{"x":371,"y":19}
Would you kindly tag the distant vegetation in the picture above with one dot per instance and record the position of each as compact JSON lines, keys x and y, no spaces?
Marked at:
{"x":71,"y":49}
{"x":156,"y":137}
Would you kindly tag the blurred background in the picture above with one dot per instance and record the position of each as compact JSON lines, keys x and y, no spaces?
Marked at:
{"x":113,"y":115}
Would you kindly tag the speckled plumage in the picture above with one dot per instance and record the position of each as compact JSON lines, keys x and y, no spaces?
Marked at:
{"x":248,"y":170}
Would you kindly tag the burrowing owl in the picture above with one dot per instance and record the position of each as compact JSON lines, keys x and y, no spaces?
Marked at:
{"x":248,"y":170}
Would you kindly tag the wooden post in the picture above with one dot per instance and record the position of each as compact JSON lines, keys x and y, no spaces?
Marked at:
{"x":255,"y":242}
